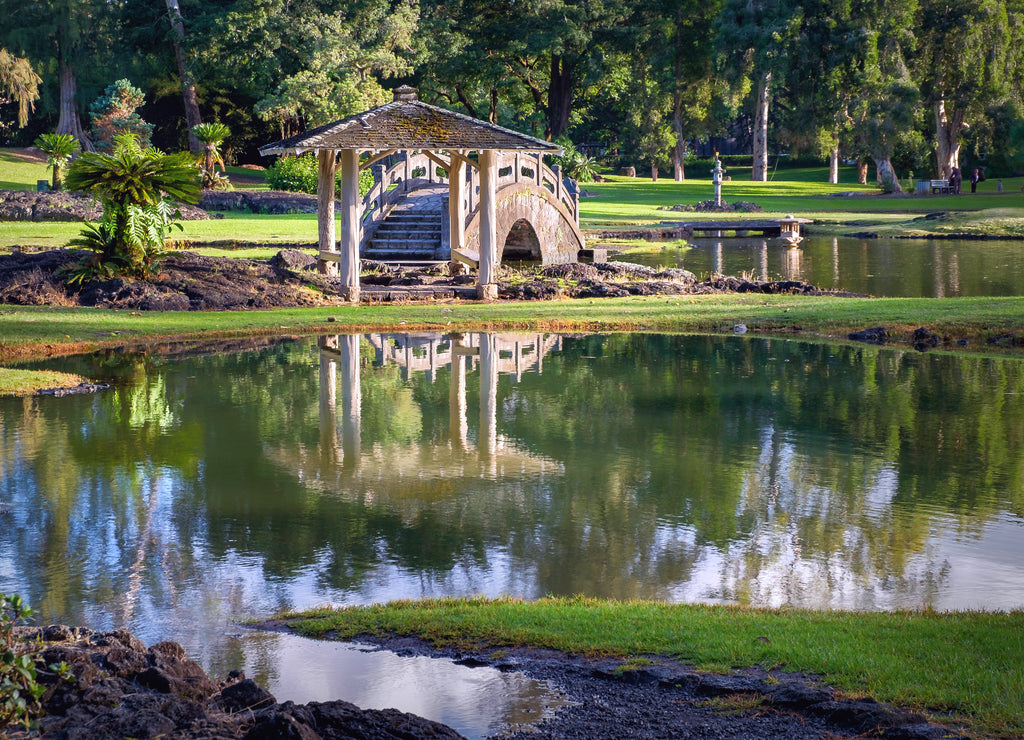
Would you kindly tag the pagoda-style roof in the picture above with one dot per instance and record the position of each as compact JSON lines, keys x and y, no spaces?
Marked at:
{"x":408,"y":123}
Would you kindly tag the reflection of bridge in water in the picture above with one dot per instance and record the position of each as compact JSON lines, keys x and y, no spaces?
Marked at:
{"x":516,"y":353}
{"x":341,"y":444}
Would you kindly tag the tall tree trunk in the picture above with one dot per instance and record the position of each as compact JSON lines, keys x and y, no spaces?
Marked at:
{"x":188,"y":85}
{"x":833,"y":165}
{"x":69,"y":122}
{"x":759,"y":171}
{"x":947,"y":138}
{"x":862,"y":171}
{"x":886,"y":175}
{"x":679,"y":150}
{"x":559,"y":97}
{"x":493,"y":114}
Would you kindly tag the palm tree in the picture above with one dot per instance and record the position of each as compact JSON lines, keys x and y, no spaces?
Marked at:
{"x":138,"y":188}
{"x":211,"y":136}
{"x":59,"y":149}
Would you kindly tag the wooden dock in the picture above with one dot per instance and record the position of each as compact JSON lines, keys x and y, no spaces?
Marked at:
{"x":789,"y":226}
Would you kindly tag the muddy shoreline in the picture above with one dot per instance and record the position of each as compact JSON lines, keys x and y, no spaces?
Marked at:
{"x":122,"y":688}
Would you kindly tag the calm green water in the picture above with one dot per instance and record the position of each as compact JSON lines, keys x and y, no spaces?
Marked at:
{"x":908,"y":268}
{"x":202,"y":489}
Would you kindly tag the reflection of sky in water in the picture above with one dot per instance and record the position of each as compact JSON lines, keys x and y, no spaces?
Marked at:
{"x":477,"y":701}
{"x":695,"y":469}
{"x":929,"y":268}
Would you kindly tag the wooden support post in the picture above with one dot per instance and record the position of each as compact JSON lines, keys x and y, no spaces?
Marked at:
{"x":349,"y":269}
{"x":456,"y":202}
{"x":538,"y":170}
{"x":327,"y":168}
{"x":486,"y":287}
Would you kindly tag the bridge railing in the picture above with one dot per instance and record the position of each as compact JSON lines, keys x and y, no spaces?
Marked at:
{"x":403,"y":172}
{"x":393,"y":178}
{"x":514,"y":167}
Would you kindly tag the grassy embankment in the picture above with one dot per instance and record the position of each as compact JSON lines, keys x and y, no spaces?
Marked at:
{"x":958,"y":667}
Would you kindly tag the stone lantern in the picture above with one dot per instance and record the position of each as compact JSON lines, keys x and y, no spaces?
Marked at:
{"x":716,"y":178}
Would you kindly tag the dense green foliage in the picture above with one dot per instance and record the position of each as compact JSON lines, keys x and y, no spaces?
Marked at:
{"x":299,"y":174}
{"x":919,"y":86}
{"x":138,"y":188}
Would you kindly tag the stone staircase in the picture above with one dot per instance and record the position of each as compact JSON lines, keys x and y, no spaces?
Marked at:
{"x":410,"y":233}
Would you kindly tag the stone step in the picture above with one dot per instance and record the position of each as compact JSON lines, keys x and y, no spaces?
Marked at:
{"x":407,"y":221}
{"x":404,"y":244}
{"x":398,"y":235}
{"x":397,"y":255}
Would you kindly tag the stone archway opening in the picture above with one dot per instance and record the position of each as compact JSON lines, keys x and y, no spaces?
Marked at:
{"x":522,"y":243}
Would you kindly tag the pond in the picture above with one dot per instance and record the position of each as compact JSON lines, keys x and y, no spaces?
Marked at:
{"x":202,"y":488}
{"x":906,"y":268}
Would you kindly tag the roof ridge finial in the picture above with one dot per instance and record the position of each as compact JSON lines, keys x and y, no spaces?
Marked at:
{"x":405,"y":93}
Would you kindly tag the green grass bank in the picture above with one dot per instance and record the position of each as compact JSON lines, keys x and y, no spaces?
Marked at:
{"x":964,"y":667}
{"x":30,"y":332}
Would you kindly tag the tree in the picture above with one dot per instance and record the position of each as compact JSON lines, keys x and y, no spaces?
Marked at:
{"x":757,"y":36}
{"x":212,"y":136}
{"x":59,"y":149}
{"x":114,"y":113}
{"x":188,"y":85}
{"x":138,"y":188}
{"x":964,"y":58}
{"x":677,"y":37}
{"x":885,"y":98}
{"x":21,"y":82}
{"x":68,"y":38}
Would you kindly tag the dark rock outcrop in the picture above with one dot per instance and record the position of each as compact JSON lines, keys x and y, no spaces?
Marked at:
{"x":120,"y":689}
{"x":30,"y":205}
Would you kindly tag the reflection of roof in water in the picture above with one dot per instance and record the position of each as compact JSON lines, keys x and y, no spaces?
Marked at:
{"x":403,"y":471}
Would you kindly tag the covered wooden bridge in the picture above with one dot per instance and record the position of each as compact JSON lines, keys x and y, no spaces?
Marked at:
{"x":499,"y":190}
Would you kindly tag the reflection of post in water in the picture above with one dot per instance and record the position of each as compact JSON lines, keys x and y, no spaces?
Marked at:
{"x":719,"y":262}
{"x":488,"y":395}
{"x":835,"y":262}
{"x":458,"y":424}
{"x":328,"y":400}
{"x":764,"y":260}
{"x":793,"y":262}
{"x":340,"y":350}
{"x":351,"y":398}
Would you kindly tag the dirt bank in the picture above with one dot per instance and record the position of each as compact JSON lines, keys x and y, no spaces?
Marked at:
{"x":121,"y":688}
{"x":188,"y":281}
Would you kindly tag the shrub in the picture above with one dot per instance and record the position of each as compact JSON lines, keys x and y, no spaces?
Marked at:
{"x":299,"y":175}
{"x":113,"y":113}
{"x":19,"y":691}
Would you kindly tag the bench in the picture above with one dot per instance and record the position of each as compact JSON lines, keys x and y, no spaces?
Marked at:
{"x":940,"y":186}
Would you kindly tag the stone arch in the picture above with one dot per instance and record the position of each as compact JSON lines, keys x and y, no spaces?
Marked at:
{"x":559,"y":239}
{"x":521,"y":243}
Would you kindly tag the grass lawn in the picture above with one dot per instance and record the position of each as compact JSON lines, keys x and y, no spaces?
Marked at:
{"x":962,"y":667}
{"x":20,"y":169}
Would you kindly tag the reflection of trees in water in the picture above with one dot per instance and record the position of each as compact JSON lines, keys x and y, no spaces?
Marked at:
{"x":793,"y":473}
